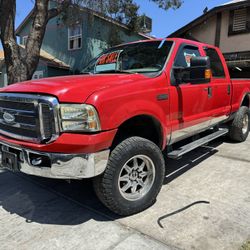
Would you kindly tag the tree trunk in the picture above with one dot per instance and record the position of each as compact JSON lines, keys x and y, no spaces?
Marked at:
{"x":35,"y":38}
{"x":21,"y":63}
{"x":12,"y":51}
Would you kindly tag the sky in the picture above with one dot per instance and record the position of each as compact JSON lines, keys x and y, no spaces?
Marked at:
{"x":164,"y":22}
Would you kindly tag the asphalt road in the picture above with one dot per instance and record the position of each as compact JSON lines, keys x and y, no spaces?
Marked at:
{"x":204,"y":204}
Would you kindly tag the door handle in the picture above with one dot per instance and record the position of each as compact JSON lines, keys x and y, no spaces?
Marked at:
{"x":209,"y":91}
{"x":229,"y":89}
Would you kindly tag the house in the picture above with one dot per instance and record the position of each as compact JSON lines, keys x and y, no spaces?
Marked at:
{"x":67,"y":49}
{"x":48,"y":66}
{"x":3,"y":75}
{"x":226,"y":26}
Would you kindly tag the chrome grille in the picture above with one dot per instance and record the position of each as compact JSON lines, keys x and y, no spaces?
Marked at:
{"x":28,"y":117}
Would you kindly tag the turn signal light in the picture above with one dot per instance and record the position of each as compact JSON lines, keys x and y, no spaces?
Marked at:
{"x":208,"y":74}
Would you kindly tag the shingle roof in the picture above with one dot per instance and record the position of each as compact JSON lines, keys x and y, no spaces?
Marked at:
{"x":53,"y":60}
{"x":46,"y":57}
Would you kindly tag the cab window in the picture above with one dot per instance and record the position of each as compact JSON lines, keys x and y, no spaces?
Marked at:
{"x":184,"y":56}
{"x":216,"y":64}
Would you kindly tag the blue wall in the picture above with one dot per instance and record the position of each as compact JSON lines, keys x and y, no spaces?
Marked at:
{"x":96,"y":34}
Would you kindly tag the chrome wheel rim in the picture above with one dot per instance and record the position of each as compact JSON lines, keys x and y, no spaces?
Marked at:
{"x":245,"y":124}
{"x":136,"y":177}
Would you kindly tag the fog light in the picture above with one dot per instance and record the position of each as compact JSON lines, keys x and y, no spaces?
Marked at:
{"x":38,"y":160}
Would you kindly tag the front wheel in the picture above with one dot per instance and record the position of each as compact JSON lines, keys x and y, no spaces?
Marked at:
{"x":133,"y":177}
{"x":239,"y":129}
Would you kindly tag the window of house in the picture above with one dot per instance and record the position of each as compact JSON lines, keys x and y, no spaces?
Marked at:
{"x":75,"y":37}
{"x":216,"y":64}
{"x":24,"y":40}
{"x":239,"y":21}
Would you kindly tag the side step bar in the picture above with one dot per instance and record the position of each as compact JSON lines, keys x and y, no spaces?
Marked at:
{"x":195,"y":144}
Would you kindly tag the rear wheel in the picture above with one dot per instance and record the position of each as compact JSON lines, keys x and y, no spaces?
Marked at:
{"x":133,"y":177}
{"x":239,"y":129}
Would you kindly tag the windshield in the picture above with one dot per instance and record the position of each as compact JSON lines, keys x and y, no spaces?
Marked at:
{"x":141,"y":57}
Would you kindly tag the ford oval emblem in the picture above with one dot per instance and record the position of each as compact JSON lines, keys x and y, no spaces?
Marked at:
{"x":8,"y":118}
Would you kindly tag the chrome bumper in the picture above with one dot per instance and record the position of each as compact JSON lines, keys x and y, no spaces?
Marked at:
{"x":56,"y":165}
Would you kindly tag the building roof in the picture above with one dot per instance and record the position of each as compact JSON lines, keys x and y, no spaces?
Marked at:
{"x":226,"y":6}
{"x":45,"y":56}
{"x":232,"y":2}
{"x":53,"y":61}
{"x":95,"y":13}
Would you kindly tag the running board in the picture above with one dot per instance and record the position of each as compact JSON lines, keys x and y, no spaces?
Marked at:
{"x":195,"y":144}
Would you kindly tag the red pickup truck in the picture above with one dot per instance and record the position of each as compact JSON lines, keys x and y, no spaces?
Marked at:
{"x":113,"y":121}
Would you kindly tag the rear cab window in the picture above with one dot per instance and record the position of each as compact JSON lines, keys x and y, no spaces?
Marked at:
{"x":216,"y":63}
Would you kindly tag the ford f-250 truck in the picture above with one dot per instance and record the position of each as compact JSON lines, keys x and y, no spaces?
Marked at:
{"x":112,"y":122}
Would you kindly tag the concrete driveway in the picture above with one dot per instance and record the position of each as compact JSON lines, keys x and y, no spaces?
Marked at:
{"x":204,"y":204}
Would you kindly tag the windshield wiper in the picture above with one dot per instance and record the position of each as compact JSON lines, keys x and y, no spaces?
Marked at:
{"x":86,"y":73}
{"x":114,"y":71}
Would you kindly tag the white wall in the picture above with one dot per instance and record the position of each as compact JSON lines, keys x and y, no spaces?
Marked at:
{"x":235,"y":43}
{"x":205,"y":32}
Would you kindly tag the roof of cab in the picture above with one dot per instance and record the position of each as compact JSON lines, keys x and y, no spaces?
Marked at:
{"x":174,"y":39}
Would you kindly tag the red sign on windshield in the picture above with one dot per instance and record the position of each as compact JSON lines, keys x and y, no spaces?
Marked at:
{"x":109,"y":58}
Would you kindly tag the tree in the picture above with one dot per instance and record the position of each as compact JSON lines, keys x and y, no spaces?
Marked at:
{"x":163,"y":4}
{"x":21,"y":62}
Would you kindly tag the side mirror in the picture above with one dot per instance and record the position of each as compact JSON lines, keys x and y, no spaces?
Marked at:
{"x":198,"y":72}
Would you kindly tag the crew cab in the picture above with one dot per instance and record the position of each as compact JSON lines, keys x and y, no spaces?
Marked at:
{"x":112,"y":122}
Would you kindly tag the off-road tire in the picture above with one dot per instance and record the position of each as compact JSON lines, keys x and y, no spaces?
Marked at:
{"x":236,"y":132}
{"x":106,"y":185}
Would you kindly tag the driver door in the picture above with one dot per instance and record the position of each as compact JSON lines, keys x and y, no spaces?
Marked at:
{"x":189,"y":103}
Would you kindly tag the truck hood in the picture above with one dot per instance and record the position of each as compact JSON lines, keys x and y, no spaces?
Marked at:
{"x":73,"y":88}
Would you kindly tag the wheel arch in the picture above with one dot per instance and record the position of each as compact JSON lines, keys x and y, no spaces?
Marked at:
{"x":141,"y":125}
{"x":245,"y":100}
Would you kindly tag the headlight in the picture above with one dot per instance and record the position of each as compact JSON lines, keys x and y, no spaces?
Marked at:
{"x":79,"y":117}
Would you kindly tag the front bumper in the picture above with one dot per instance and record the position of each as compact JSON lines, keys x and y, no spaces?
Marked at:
{"x":55,"y":165}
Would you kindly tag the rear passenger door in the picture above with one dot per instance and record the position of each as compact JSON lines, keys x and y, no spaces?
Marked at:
{"x":220,"y":87}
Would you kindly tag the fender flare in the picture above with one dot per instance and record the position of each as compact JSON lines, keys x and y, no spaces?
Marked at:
{"x":247,"y":94}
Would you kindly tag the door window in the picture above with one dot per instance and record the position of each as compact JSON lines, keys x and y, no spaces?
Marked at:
{"x":184,"y":56}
